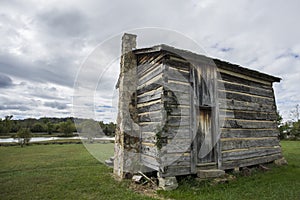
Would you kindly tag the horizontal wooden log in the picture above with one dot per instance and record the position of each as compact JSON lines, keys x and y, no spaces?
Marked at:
{"x":151,"y":117}
{"x":150,"y":162}
{"x":150,"y":97}
{"x":175,"y":97}
{"x":178,"y":75}
{"x":149,"y":108}
{"x":246,"y":97}
{"x":253,"y":124}
{"x":184,"y":66}
{"x":152,"y":73}
{"x":240,"y":80}
{"x":179,"y":133}
{"x":170,"y":158}
{"x":254,"y":115}
{"x":177,"y":146}
{"x":178,"y":87}
{"x":176,"y":171}
{"x":246,"y":106}
{"x":179,"y":111}
{"x":248,"y":133}
{"x":249,"y":153}
{"x":147,"y":67}
{"x":227,"y":144}
{"x":250,"y":161}
{"x":148,"y":88}
{"x":228,"y":86}
{"x":151,"y":60}
{"x":178,"y":120}
{"x":158,"y":80}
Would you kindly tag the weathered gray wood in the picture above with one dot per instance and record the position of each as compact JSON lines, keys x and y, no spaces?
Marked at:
{"x":180,"y":111}
{"x":176,"y":159}
{"x":148,"y":67}
{"x":152,"y":60}
{"x":259,"y":124}
{"x":250,"y":161}
{"x":178,"y":120}
{"x":245,"y":143}
{"x":246,"y":97}
{"x":150,"y":108}
{"x":250,"y":153}
{"x":176,"y":171}
{"x":183,"y":100}
{"x":149,"y":88}
{"x":248,"y":133}
{"x":150,"y":97}
{"x":152,"y":73}
{"x":246,"y":106}
{"x":246,"y":89}
{"x":149,"y":150}
{"x":178,"y":87}
{"x":179,"y":132}
{"x":177,"y":146}
{"x":178,"y":65}
{"x":150,"y":117}
{"x":150,"y":162}
{"x":177,"y":75}
{"x":234,"y":79}
{"x":255,"y":115}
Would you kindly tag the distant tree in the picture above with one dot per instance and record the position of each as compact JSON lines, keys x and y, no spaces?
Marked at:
{"x":50,"y":127}
{"x":15,"y":126}
{"x":295,"y":131}
{"x":67,"y":127}
{"x":90,"y":128}
{"x":23,"y":136}
{"x":6,"y":125}
{"x":38,"y":127}
{"x":111,"y":127}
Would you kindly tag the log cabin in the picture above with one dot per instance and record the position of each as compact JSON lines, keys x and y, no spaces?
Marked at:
{"x":181,"y":112}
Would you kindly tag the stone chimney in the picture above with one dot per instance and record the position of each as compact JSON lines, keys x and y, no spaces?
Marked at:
{"x":127,"y":146}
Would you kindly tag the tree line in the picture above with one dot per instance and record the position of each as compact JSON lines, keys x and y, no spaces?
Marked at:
{"x":66,"y":126}
{"x":290,"y":129}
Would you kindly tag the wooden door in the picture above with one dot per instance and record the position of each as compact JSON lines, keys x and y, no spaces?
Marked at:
{"x":204,"y":120}
{"x":204,"y":137}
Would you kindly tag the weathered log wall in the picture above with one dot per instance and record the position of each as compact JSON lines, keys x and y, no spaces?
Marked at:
{"x":176,"y":151}
{"x":149,"y":106}
{"x":163,"y":102}
{"x":242,"y":104}
{"x":248,"y":116}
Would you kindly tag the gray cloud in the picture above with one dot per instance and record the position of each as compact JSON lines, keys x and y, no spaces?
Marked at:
{"x":55,"y":104}
{"x":5,"y":81}
{"x":64,"y":22}
{"x":14,"y":107}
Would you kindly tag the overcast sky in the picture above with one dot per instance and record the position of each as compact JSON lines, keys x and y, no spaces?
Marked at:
{"x":43,"y":46}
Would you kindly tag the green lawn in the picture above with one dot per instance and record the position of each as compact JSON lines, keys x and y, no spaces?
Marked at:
{"x":58,"y":172}
{"x":70,"y":172}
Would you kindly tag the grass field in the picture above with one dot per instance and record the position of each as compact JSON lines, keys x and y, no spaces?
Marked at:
{"x":70,"y":172}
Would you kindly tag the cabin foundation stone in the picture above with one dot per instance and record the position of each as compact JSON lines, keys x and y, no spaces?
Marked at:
{"x":167,"y":183}
{"x":281,"y":161}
